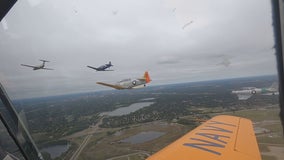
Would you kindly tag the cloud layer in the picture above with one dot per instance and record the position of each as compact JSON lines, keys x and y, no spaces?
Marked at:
{"x":227,"y":38}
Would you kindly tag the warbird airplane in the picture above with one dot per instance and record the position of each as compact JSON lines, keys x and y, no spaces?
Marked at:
{"x":246,"y":92}
{"x":220,"y":138}
{"x":103,"y":67}
{"x":129,"y":83}
{"x":38,"y":66}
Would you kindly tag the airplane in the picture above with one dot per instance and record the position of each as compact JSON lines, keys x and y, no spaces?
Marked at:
{"x":38,"y":66}
{"x":221,"y":137}
{"x":129,"y":83}
{"x":102,"y":67}
{"x":187,"y":24}
{"x":246,"y":92}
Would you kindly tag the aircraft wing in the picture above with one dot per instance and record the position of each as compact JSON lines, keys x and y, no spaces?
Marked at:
{"x":28,"y":65}
{"x":92,"y":67}
{"x":97,"y":69}
{"x":110,"y":85}
{"x":244,"y":96}
{"x":108,"y":70}
{"x":270,"y":94}
{"x":220,"y":138}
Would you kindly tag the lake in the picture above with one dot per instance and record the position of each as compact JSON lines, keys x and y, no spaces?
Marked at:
{"x":147,"y":99}
{"x":56,"y":150}
{"x":126,"y":110}
{"x":143,"y":137}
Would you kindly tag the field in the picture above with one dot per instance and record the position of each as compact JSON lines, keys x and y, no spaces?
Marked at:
{"x":175,"y":110}
{"x":106,"y":144}
{"x":268,"y":130}
{"x":109,"y":146}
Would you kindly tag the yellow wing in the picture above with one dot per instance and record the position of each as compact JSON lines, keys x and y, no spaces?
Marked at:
{"x":110,"y":85}
{"x":220,"y":138}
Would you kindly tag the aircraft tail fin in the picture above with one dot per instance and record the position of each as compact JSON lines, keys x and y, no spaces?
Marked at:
{"x":43,"y":60}
{"x":110,"y":63}
{"x":147,"y":77}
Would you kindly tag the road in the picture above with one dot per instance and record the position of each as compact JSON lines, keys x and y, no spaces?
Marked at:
{"x":128,"y":155}
{"x":89,"y":133}
{"x":81,"y":147}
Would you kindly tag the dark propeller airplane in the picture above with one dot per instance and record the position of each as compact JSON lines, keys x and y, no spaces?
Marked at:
{"x":41,"y":66}
{"x":103,"y":67}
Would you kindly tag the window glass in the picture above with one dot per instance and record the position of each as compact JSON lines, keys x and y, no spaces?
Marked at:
{"x":122,"y":79}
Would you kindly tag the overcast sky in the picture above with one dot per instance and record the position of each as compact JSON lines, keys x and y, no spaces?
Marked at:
{"x":176,"y":41}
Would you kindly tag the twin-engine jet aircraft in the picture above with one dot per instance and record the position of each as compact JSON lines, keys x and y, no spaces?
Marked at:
{"x":129,"y":83}
{"x":246,"y":92}
{"x":103,"y":67}
{"x":38,"y":66}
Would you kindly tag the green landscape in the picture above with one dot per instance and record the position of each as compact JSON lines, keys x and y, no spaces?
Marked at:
{"x":81,"y":121}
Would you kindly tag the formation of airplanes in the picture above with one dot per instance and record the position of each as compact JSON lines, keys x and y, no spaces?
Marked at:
{"x":123,"y":84}
{"x":247,"y":92}
{"x":222,"y":137}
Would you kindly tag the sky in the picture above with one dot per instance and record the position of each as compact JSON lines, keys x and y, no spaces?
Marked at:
{"x":176,"y":41}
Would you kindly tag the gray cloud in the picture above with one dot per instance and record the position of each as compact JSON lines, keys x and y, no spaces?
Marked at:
{"x":168,"y":60}
{"x":142,"y":35}
{"x":225,"y":61}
